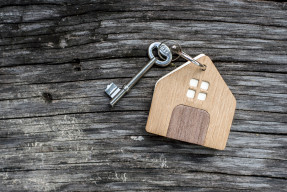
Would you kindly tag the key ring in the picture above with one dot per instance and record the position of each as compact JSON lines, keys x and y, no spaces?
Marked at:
{"x":176,"y":48}
{"x":162,"y":49}
{"x":165,"y":43}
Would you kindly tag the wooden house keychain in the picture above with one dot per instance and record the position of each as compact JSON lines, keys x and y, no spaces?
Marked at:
{"x":191,"y":103}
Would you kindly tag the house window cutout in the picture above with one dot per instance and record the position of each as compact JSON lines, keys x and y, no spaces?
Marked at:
{"x":193,"y":82}
{"x":190,"y":93}
{"x":204,"y":85}
{"x":201,"y":96}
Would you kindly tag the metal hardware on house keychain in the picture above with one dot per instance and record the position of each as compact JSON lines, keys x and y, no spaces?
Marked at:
{"x":176,"y":48}
{"x":116,"y":94}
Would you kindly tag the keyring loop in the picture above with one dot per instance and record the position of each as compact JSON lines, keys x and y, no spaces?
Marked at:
{"x":164,"y":43}
{"x":176,"y":48}
{"x":161,"y":50}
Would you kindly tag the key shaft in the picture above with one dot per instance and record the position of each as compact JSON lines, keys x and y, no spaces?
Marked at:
{"x":126,"y":88}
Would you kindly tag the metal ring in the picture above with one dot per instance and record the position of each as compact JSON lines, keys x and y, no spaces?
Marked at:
{"x":164,"y":50}
{"x":176,"y":48}
{"x":164,"y":42}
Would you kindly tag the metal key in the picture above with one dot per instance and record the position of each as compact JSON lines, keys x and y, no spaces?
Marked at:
{"x":116,"y":94}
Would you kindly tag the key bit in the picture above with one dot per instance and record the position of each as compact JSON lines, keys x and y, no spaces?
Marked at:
{"x":112,"y":90}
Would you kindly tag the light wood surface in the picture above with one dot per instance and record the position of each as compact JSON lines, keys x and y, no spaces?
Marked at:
{"x":170,"y":91}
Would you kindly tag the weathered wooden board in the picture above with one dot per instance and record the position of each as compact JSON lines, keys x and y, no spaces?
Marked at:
{"x":58,"y":133}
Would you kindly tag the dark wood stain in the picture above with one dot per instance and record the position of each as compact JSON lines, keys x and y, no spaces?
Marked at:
{"x":188,"y":124}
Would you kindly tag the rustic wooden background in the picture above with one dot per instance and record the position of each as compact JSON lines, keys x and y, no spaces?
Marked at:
{"x":58,"y":133}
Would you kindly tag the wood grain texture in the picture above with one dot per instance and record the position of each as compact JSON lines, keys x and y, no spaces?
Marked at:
{"x":76,"y":142}
{"x":188,"y":124}
{"x":171,"y":91}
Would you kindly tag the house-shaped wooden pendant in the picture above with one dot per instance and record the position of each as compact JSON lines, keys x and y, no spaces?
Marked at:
{"x":193,"y":105}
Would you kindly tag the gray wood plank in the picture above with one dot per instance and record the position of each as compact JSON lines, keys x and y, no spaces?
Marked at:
{"x":57,"y":132}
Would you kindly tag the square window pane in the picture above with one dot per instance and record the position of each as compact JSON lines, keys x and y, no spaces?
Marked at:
{"x":204,"y":85}
{"x":201,"y":96}
{"x":193,"y":82}
{"x":190,"y":93}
